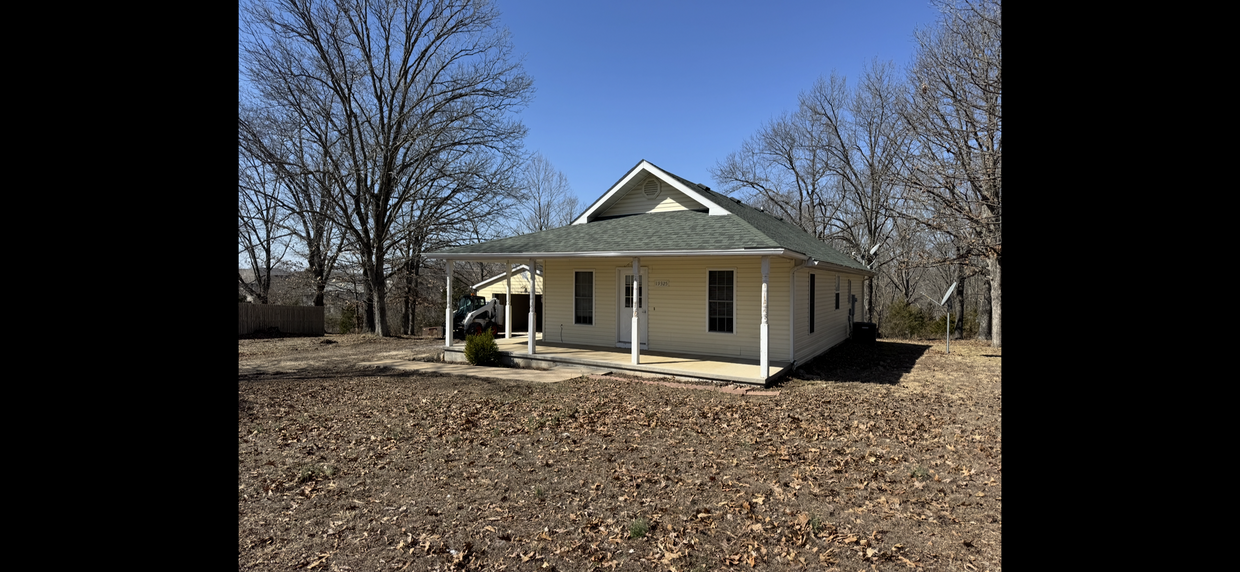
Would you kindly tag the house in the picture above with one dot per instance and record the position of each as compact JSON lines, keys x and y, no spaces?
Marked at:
{"x":665,"y":266}
{"x":496,"y":287}
{"x":282,"y":284}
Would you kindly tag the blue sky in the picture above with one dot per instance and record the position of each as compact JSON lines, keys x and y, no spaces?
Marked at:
{"x":682,"y":84}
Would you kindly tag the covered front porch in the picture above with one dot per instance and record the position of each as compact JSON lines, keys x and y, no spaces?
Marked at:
{"x":619,"y":360}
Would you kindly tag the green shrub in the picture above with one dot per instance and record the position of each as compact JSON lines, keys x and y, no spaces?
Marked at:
{"x":481,"y":349}
{"x":638,"y":528}
{"x":909,"y":321}
{"x":904,"y":320}
{"x":348,"y":317}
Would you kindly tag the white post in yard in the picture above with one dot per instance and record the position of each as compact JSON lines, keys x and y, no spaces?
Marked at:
{"x":447,"y":320}
{"x":533,"y":319}
{"x":764,"y":364}
{"x":507,"y":300}
{"x":637,"y":341}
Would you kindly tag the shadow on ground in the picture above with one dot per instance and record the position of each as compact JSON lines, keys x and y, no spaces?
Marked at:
{"x":882,"y":362}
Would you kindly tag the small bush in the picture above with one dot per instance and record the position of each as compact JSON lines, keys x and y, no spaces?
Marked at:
{"x":481,"y":349}
{"x":638,"y":528}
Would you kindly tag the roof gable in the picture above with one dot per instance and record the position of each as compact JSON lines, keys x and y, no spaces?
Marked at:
{"x":519,"y":270}
{"x":623,"y":197}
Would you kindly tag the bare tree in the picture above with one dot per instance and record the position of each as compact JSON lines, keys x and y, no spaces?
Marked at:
{"x":866,"y":144}
{"x":305,"y":192}
{"x":784,"y":170}
{"x":545,"y":199}
{"x":956,"y":115}
{"x":421,"y":97}
{"x":261,"y":238}
{"x":832,"y":166}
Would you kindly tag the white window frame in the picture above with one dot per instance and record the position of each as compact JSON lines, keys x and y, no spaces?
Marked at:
{"x":735,"y":297}
{"x":593,"y":297}
{"x":837,"y":291}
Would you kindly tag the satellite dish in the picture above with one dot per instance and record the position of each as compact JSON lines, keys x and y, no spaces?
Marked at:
{"x":948,"y":294}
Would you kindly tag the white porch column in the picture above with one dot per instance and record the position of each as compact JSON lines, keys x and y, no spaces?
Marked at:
{"x":636,"y":339}
{"x":764,"y":365}
{"x":447,"y":320}
{"x":533,"y":318}
{"x":792,"y":320}
{"x":507,"y":300}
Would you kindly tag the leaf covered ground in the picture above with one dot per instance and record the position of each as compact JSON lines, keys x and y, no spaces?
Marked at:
{"x":882,"y":457}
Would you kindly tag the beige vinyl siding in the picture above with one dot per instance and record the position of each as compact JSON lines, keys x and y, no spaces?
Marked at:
{"x":677,"y":305}
{"x":830,"y":325}
{"x":635,"y":202}
{"x":559,"y":299}
{"x":520,"y":282}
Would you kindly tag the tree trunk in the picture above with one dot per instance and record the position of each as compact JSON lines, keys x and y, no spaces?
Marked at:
{"x":413,"y":311}
{"x":869,"y":299}
{"x":378,"y":293}
{"x":407,"y":273}
{"x":368,"y":306}
{"x":983,"y":312}
{"x":996,"y":306}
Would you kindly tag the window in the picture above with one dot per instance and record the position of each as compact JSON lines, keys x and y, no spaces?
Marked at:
{"x":628,"y":291}
{"x":583,"y":298}
{"x":719,"y":301}
{"x":837,"y":291}
{"x":811,"y":303}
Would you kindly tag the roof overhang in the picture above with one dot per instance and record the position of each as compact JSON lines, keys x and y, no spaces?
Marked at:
{"x":491,"y":256}
{"x":818,"y":264}
{"x":630,"y":180}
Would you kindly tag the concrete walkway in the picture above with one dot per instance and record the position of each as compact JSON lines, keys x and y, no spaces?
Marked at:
{"x":516,"y":374}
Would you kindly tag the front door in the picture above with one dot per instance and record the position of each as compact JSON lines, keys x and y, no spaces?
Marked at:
{"x":624,"y":307}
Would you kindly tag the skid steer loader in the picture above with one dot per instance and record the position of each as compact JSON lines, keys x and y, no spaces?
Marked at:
{"x":475,"y":315}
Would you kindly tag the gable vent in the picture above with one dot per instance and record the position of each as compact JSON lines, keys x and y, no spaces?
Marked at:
{"x":651,"y":188}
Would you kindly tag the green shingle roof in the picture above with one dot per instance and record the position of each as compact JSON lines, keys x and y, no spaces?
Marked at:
{"x":745,"y":228}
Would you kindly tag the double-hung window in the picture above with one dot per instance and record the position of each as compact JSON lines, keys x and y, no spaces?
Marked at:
{"x":583,"y":298}
{"x":720,"y":301}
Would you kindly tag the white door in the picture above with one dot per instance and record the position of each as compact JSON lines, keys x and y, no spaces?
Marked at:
{"x":624,"y":307}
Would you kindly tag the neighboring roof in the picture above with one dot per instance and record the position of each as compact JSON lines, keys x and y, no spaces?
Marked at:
{"x":516,"y":271}
{"x":748,"y":231}
{"x":247,"y":274}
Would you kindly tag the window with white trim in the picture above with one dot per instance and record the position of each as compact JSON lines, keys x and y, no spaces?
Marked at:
{"x":837,"y":291}
{"x":720,"y":301}
{"x":583,"y":297}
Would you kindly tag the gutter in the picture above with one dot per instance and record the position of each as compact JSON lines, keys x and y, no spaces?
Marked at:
{"x":614,"y":254}
{"x":818,"y":264}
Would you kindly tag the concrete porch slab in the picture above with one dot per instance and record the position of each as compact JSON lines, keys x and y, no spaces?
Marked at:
{"x":619,"y":360}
